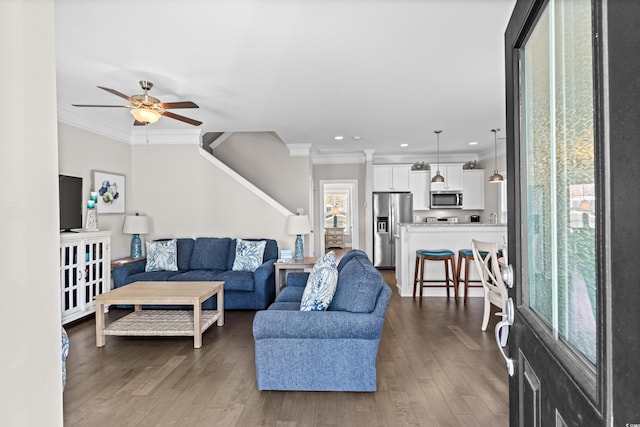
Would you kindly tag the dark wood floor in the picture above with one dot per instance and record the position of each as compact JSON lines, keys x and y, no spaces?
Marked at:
{"x":435,"y":368}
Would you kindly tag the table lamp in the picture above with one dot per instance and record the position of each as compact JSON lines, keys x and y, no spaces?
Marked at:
{"x":335,"y":211}
{"x":298,"y":225}
{"x":136,"y":225}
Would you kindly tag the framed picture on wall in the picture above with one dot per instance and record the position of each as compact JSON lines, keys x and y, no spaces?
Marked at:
{"x":111,"y":191}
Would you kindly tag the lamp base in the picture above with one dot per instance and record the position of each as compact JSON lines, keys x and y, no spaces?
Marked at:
{"x":299,"y":255}
{"x":136,"y":246}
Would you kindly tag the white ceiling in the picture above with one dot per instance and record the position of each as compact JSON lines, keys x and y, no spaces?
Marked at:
{"x":387,"y":71}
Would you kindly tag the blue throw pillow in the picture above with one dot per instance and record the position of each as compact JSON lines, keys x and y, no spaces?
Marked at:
{"x":162,"y":256}
{"x":321,"y":286}
{"x":248,"y":255}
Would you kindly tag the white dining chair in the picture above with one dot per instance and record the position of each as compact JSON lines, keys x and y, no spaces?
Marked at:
{"x":485,"y":256}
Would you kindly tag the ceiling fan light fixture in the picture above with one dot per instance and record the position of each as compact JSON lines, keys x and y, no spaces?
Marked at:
{"x":145,"y":115}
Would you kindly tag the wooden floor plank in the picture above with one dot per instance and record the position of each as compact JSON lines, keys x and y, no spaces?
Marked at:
{"x":435,"y":368}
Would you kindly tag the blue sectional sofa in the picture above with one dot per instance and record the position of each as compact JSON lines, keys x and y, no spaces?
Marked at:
{"x":333,"y":350}
{"x":211,"y":259}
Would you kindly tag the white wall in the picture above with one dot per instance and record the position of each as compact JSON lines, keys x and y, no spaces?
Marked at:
{"x":79,"y":153}
{"x":185,"y":195}
{"x":263,"y":159}
{"x":30,"y":371}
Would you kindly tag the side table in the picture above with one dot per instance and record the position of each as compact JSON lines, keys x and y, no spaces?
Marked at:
{"x":283,"y":267}
{"x":122,"y":261}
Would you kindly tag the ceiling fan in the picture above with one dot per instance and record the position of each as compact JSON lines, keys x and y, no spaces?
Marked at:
{"x":146,"y":109}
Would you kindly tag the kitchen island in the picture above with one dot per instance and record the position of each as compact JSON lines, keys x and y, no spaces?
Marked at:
{"x":414,"y":236}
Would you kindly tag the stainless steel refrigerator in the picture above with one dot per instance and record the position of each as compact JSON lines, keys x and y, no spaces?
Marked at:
{"x":389,"y":209}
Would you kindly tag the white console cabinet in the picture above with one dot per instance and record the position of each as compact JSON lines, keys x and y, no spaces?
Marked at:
{"x":85,"y":271}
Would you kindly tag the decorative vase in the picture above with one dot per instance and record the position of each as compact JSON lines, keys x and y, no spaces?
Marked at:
{"x":299,"y":256}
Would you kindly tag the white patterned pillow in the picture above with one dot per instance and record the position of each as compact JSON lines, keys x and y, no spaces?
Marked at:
{"x":248,"y":255}
{"x":162,"y":255}
{"x":321,"y":286}
{"x":328,"y":259}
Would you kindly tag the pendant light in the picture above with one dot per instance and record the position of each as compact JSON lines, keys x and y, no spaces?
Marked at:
{"x":437,"y":177}
{"x":496,"y":177}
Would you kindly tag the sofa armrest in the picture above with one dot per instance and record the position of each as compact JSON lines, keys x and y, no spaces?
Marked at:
{"x":297,"y":278}
{"x":264,"y":279}
{"x":120,"y":274}
{"x":283,"y":324}
{"x":266,"y":269}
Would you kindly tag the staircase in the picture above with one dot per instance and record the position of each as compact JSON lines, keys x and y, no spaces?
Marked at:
{"x":212,"y":140}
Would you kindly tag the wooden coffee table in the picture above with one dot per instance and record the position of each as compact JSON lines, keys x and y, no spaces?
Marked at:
{"x":161,"y":322}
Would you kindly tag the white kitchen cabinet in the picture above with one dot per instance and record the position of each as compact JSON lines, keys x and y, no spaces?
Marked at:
{"x":473,"y":183}
{"x":391,"y":177}
{"x":85,"y":271}
{"x":419,"y":187}
{"x":452,"y":173}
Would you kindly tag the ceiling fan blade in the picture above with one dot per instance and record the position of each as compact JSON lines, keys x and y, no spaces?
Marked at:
{"x":182,"y":104}
{"x":93,"y":105}
{"x":181,"y":118}
{"x":120,"y":94}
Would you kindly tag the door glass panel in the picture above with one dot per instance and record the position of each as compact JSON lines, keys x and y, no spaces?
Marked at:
{"x":558,"y":126}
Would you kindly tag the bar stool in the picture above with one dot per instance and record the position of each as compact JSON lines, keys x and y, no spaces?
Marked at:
{"x":445,"y":255}
{"x":467,"y":256}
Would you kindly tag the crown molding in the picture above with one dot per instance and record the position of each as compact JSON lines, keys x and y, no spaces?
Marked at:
{"x":75,"y":117}
{"x":166,"y":136}
{"x":299,"y":150}
{"x":423,"y":157}
{"x":140,"y":135}
{"x":338,"y":158}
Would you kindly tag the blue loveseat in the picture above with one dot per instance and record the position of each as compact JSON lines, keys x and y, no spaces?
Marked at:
{"x":211,"y":259}
{"x":333,"y":350}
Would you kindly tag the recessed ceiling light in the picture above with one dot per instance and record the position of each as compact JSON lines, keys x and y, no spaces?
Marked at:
{"x":473,"y":143}
{"x":404,"y":145}
{"x":356,"y":138}
{"x":338,"y":138}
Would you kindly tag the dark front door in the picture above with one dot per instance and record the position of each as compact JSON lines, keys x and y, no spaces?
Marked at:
{"x":572,"y":150}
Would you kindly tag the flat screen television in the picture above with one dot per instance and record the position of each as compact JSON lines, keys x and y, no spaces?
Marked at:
{"x":70,"y":190}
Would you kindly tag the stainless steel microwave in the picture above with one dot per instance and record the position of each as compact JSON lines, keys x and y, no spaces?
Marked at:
{"x":446,"y":200}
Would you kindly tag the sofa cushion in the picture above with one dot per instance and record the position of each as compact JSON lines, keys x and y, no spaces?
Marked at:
{"x":285,"y":305}
{"x":210,"y":253}
{"x":359,"y":284}
{"x":152,"y":276}
{"x":353,"y":253}
{"x":162,"y":255}
{"x":248,"y":256}
{"x":198,"y":276}
{"x":185,"y":248}
{"x":291,"y":294}
{"x":237,"y":280}
{"x":320,"y":288}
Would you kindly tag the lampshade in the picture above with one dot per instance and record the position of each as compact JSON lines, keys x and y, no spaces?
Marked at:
{"x":335,"y":210}
{"x":145,"y":115}
{"x":298,"y":224}
{"x":135,"y":224}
